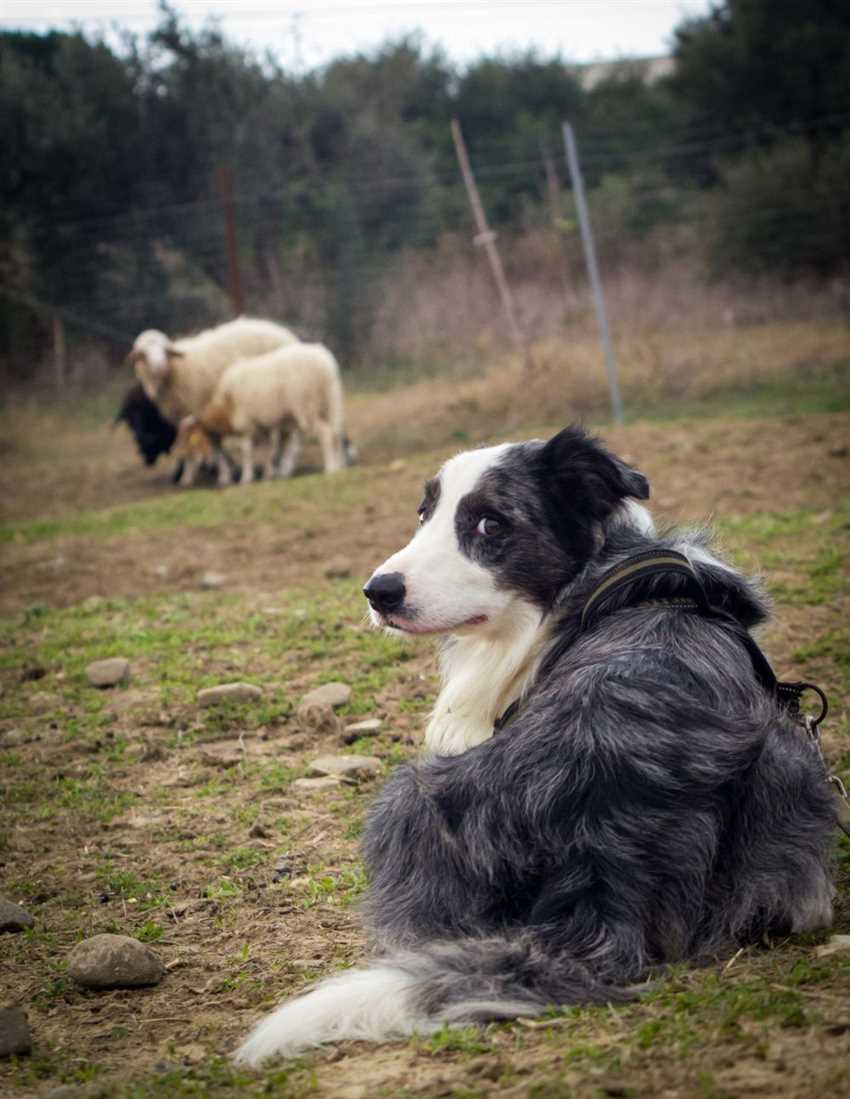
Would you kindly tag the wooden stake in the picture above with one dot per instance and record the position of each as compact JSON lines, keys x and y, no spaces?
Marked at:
{"x":554,"y":189}
{"x":224,"y":180}
{"x":60,"y":360}
{"x":486,"y":239}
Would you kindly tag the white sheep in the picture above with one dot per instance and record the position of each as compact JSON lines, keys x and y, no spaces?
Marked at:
{"x":286,"y":393}
{"x":180,"y":375}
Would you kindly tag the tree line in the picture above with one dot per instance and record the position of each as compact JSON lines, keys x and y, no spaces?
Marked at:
{"x":109,"y":206}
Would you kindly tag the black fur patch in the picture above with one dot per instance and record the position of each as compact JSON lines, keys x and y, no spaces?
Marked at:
{"x":549,"y":500}
{"x":154,"y":434}
{"x":430,"y":499}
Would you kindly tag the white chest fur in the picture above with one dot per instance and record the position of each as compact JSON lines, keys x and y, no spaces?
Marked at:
{"x":482,"y":675}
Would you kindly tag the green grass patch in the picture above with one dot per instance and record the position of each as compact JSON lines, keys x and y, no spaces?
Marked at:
{"x":793,"y":394}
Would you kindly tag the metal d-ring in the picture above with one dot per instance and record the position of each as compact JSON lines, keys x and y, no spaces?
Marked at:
{"x":811,"y":721}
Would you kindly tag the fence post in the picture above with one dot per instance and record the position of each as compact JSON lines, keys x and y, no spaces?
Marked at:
{"x":224,"y":180}
{"x":60,"y":358}
{"x":593,"y":272}
{"x":486,"y":238}
{"x":554,"y":189}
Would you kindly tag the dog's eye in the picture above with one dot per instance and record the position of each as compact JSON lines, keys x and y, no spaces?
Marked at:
{"x":488,"y":526}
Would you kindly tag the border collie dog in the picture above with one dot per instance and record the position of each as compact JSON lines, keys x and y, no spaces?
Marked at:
{"x":646,"y":801}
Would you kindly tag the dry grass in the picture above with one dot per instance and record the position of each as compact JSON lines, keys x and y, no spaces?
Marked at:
{"x":441,"y":306}
{"x":658,"y":371}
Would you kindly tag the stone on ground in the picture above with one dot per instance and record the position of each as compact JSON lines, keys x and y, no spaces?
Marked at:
{"x":211,"y":581}
{"x":364,"y":728}
{"x":325,"y":783}
{"x":347,"y":767}
{"x":229,"y":692}
{"x":13,"y":917}
{"x":15,"y":1034}
{"x":329,"y":694}
{"x":108,"y":673}
{"x":318,"y":717}
{"x":114,"y":961}
{"x":835,"y":944}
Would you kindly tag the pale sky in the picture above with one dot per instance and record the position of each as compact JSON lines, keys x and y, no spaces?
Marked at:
{"x":306,"y":33}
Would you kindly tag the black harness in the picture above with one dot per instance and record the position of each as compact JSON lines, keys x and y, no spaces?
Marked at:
{"x":641,"y":566}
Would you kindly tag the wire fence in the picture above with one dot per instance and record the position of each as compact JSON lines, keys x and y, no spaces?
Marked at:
{"x":399,"y":280}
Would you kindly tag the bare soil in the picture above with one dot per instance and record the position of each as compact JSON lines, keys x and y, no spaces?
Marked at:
{"x":133,"y":811}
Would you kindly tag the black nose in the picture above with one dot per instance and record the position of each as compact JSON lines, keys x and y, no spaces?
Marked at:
{"x":386,"y":591}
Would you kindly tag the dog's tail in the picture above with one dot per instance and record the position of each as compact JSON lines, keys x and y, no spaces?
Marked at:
{"x":450,"y":983}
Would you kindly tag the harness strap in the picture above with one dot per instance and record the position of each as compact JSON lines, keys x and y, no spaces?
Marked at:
{"x":665,"y":562}
{"x":639,"y":567}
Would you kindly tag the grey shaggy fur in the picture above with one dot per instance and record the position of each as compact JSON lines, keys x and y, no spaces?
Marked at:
{"x":649,"y":803}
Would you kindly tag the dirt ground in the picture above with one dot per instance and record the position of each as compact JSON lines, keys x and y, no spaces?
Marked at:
{"x":135,"y":811}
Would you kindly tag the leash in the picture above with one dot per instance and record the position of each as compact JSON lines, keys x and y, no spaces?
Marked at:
{"x":649,"y":563}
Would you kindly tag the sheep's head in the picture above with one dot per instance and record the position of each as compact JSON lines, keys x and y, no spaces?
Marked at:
{"x":152,"y":357}
{"x":194,"y":441}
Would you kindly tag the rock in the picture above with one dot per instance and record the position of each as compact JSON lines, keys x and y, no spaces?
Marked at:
{"x":835,"y":944}
{"x":338,"y":569}
{"x":397,"y":465}
{"x":351,"y":768}
{"x":229,"y":692}
{"x":329,"y":694}
{"x":317,"y":717}
{"x":13,"y":917}
{"x":192,"y":1053}
{"x":114,"y":961}
{"x":230,"y":753}
{"x":162,"y":571}
{"x":108,"y":673}
{"x":364,"y":728}
{"x":15,"y":1034}
{"x":211,"y":581}
{"x":316,"y":783}
{"x":13,"y":737}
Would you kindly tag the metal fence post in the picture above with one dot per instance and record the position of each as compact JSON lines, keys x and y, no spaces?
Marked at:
{"x":593,"y":272}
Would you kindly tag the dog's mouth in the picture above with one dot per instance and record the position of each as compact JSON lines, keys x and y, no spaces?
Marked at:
{"x":417,"y":627}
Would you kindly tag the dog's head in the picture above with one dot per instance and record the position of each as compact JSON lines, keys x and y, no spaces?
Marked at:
{"x":503,"y":525}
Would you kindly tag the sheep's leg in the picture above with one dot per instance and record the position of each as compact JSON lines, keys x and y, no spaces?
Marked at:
{"x":331,"y":447}
{"x":190,"y":468}
{"x":247,"y":459}
{"x":225,"y":476}
{"x":289,"y":454}
{"x":273,"y":452}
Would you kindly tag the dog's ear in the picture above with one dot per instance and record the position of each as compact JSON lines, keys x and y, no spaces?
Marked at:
{"x":585,"y":477}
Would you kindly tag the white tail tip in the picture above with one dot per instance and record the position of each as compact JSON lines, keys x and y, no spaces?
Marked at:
{"x":367,"y":1004}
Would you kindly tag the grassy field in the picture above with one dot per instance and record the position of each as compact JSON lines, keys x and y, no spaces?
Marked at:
{"x":134,"y":811}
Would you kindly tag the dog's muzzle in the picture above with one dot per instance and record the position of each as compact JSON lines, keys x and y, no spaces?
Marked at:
{"x":385,"y":591}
